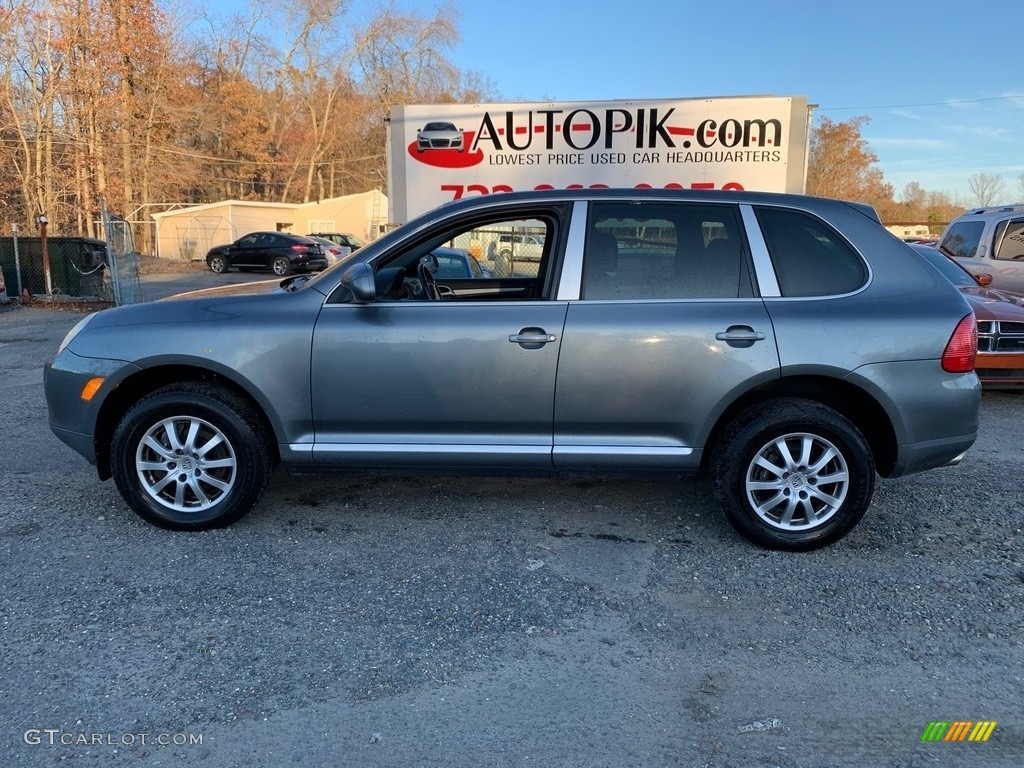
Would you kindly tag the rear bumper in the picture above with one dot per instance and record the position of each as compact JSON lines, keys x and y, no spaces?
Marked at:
{"x":317,"y":263}
{"x":934,"y":414}
{"x":930,"y":454}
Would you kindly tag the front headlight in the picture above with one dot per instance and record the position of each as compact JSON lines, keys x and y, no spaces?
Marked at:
{"x":79,"y":326}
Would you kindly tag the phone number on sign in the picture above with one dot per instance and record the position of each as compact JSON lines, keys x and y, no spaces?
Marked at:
{"x":459,"y":191}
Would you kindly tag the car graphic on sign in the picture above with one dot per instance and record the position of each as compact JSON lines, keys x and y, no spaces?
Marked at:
{"x":439,"y":136}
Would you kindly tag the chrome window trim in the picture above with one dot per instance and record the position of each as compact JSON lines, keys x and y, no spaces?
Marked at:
{"x":764,"y":270}
{"x":571,"y":280}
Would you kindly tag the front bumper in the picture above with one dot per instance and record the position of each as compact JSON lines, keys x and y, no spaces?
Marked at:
{"x":1000,"y":369}
{"x":72,"y":419}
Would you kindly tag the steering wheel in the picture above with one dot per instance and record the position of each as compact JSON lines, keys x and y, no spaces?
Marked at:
{"x":425,"y":270}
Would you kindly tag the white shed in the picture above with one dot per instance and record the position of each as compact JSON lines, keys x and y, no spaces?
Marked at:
{"x":188,"y":233}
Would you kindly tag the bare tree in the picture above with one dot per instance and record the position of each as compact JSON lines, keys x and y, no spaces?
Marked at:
{"x":986,"y":187}
{"x":401,"y":56}
{"x":129,"y":100}
{"x":30,"y":78}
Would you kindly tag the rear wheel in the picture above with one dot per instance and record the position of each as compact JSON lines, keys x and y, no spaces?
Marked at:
{"x":191,"y":456}
{"x":793,"y":474}
{"x":281,"y":266}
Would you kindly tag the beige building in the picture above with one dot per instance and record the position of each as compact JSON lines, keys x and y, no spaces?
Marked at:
{"x":188,"y":233}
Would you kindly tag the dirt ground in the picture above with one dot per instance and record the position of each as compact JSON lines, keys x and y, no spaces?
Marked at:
{"x":388,"y":622}
{"x":152,"y":265}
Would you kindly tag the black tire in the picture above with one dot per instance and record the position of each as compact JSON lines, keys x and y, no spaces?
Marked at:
{"x":213,"y":487}
{"x":217,"y":263}
{"x":281,"y":266}
{"x":816,"y":496}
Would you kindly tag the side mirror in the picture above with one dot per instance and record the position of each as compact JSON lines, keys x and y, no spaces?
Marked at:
{"x":430,"y":263}
{"x":359,"y":280}
{"x":984,"y":279}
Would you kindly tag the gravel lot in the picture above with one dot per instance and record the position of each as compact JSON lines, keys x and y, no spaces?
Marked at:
{"x":494,"y":622}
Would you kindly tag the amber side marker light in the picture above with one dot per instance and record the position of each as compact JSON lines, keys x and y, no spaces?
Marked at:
{"x":91,"y":388}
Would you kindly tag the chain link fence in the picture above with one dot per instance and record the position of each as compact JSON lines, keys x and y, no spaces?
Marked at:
{"x":122,"y":260}
{"x":504,"y":252}
{"x":40,"y":268}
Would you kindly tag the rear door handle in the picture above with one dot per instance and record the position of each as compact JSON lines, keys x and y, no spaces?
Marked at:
{"x":740,"y":336}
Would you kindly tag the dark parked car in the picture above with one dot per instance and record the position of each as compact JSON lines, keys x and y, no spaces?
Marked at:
{"x":787,"y":345}
{"x":280,"y":252}
{"x":1000,"y":321}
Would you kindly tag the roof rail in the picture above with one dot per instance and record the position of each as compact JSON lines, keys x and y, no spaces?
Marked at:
{"x":1010,"y":208}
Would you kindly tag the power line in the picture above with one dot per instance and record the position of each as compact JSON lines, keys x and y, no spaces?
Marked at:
{"x":71,"y":142}
{"x":925,"y":104}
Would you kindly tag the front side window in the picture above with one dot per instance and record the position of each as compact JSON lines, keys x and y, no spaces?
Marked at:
{"x":664,"y":251}
{"x":481,"y":260}
{"x":810,"y":258}
{"x":962,"y":238}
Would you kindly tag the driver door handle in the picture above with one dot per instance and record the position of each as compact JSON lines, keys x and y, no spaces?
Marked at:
{"x":532,"y":338}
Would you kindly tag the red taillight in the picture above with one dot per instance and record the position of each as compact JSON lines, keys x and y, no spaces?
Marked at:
{"x":962,"y":347}
{"x":300,"y":248}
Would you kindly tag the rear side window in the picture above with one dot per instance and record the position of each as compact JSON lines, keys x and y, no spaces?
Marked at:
{"x":962,"y":238}
{"x":1010,"y":240}
{"x":810,"y":257}
{"x":657,"y":250}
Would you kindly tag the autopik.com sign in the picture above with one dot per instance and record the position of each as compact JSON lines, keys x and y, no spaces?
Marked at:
{"x":444,"y":152}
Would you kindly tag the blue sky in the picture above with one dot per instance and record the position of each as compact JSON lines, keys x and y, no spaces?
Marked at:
{"x":942,"y":82}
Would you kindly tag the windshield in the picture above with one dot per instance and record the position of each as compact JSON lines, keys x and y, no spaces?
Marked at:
{"x":955,"y":274}
{"x":962,"y":239}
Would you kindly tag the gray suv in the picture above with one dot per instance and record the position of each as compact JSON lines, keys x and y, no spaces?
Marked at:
{"x":788,"y":346}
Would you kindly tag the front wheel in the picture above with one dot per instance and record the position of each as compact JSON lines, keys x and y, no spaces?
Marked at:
{"x":191,"y":457}
{"x":217,"y":264}
{"x":793,"y":474}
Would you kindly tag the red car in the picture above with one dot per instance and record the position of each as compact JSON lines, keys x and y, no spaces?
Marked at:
{"x":1000,"y":317}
